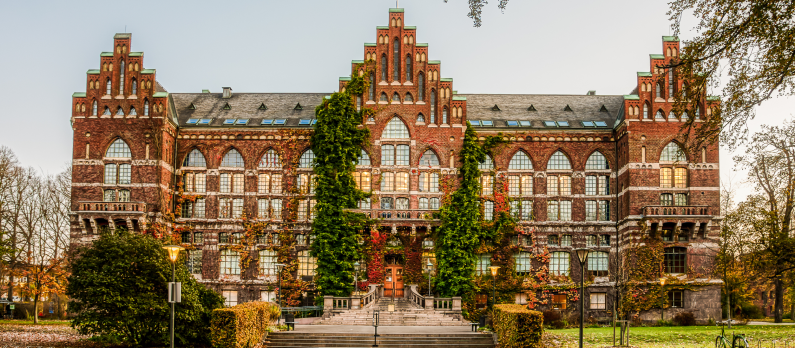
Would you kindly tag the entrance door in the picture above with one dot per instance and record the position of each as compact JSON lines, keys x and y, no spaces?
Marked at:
{"x":393,"y":281}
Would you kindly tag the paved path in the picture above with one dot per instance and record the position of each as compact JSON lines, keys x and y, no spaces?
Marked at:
{"x":767,"y":323}
{"x":361,"y":329}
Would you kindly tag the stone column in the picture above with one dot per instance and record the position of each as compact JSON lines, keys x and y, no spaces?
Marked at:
{"x":457,"y":304}
{"x":429,"y":302}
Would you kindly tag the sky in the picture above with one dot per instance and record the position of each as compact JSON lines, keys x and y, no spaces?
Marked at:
{"x":543,"y":47}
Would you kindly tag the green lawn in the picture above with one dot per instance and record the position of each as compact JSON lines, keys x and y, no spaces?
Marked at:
{"x":675,"y":336}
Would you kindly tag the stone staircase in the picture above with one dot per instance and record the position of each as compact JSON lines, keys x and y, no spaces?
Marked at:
{"x":294,"y":339}
{"x":405,"y":314}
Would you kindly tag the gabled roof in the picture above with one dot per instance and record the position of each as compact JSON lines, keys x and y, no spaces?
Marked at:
{"x":246,"y":105}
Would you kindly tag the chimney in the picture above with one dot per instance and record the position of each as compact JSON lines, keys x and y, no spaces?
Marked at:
{"x":591,"y":93}
{"x":227,"y":92}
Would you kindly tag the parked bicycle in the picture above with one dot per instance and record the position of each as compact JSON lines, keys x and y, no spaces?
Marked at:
{"x":738,"y":341}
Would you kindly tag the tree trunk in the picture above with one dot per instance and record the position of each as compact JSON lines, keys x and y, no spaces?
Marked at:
{"x":792,"y":311}
{"x":779,"y":305}
{"x":36,"y":308}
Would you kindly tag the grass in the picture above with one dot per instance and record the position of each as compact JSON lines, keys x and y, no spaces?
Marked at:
{"x":770,"y":320}
{"x":675,"y":336}
{"x":30,"y":322}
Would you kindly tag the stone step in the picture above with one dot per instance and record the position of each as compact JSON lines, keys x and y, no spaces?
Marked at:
{"x":339,"y":340}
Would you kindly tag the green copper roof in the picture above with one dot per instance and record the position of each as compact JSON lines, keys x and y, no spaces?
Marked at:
{"x":670,"y":38}
{"x":382,"y":27}
{"x":79,"y":95}
{"x":644,"y":74}
{"x":148,"y":71}
{"x":410,"y":28}
{"x":422,"y":45}
{"x":160,"y":94}
{"x":455,"y":92}
{"x":136,"y":54}
{"x":455,"y":97}
{"x":631,"y":97}
{"x":713,"y":97}
{"x":93,"y":72}
{"x":657,"y":56}
{"x":357,"y":62}
{"x":446,"y":79}
{"x":393,"y":10}
{"x":434,"y":62}
{"x":345,"y":78}
{"x":369,"y":44}
{"x":205,"y":91}
{"x":106,"y":54}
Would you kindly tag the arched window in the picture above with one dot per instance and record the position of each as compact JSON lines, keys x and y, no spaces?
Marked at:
{"x":395,"y":129}
{"x":384,"y":97}
{"x":433,"y":106}
{"x":371,"y":93}
{"x":119,"y":111}
{"x":671,"y":115}
{"x":659,"y":90}
{"x":194,"y":159}
{"x":121,"y":77}
{"x":396,"y":57}
{"x":659,"y":114}
{"x":558,"y":161}
{"x":488,"y":164}
{"x":118,"y":149}
{"x":671,"y":84}
{"x":383,"y":67}
{"x":107,"y":88}
{"x":132,"y":111}
{"x":520,"y":161}
{"x":134,"y":87}
{"x":421,"y":87}
{"x":233,"y":159}
{"x":94,"y":108}
{"x":270,"y":160}
{"x":396,"y":97}
{"x":672,"y":153}
{"x":107,"y":111}
{"x":597,"y":161}
{"x":307,"y":159}
{"x":429,"y":159}
{"x":646,"y":110}
{"x":421,"y":118}
{"x":409,"y":72}
{"x":146,"y":107}
{"x":363,"y":159}
{"x":444,"y":115}
{"x":408,"y":98}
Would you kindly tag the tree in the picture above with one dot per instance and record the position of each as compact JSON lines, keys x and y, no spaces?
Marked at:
{"x":118,"y":289}
{"x":751,"y":44}
{"x":476,"y":10}
{"x":770,"y":159}
{"x":337,"y":143}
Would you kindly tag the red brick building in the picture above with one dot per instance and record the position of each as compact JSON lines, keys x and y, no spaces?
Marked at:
{"x":597,"y":171}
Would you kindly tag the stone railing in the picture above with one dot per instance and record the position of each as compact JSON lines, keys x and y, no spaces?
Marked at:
{"x":678,"y":210}
{"x":354,"y":302}
{"x":397,"y":214}
{"x":371,"y":296}
{"x":414,"y":297}
{"x":132,"y":207}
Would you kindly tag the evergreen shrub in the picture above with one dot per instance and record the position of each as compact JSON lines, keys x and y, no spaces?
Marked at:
{"x":518,"y":326}
{"x":241,"y":326}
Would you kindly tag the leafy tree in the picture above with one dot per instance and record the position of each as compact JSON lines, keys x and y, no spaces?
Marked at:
{"x":118,"y":289}
{"x":751,"y":44}
{"x":337,"y":143}
{"x":476,"y":10}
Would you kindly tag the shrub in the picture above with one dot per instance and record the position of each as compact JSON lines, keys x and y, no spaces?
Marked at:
{"x":685,"y":319}
{"x":244,"y":325}
{"x":517,"y":326}
{"x":749,"y":311}
{"x":553,"y":318}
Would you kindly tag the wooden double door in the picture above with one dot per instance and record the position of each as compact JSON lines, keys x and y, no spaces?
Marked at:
{"x":393,"y":281}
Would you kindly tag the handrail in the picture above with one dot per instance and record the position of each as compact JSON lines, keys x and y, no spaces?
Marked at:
{"x":662,"y":210}
{"x":421,"y":214}
{"x":443,"y":303}
{"x":415,"y":297}
{"x":112,"y":206}
{"x":371,"y":296}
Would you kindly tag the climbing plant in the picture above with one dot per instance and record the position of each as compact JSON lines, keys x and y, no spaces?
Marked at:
{"x":337,"y":143}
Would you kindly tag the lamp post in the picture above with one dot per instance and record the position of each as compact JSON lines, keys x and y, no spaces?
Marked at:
{"x":279,"y":267}
{"x":582,"y":256}
{"x":429,"y":267}
{"x":356,"y":277}
{"x":494,"y":270}
{"x":662,"y":304}
{"x":173,"y":254}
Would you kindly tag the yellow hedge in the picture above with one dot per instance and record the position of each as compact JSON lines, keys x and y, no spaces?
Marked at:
{"x":517,"y":326}
{"x":242,"y":326}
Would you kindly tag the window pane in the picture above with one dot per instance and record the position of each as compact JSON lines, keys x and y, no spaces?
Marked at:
{"x":487,"y":164}
{"x":559,"y":264}
{"x":675,"y":260}
{"x":237,"y":183}
{"x":590,"y":210}
{"x":434,"y":203}
{"x":681,"y":199}
{"x":226,"y":185}
{"x":672,"y":153}
{"x":484,"y":262}
{"x":395,"y":129}
{"x":552,"y":185}
{"x":110,"y":174}
{"x":520,"y":161}
{"x":513,"y":185}
{"x":666,"y":199}
{"x":276,"y":183}
{"x":263,"y":208}
{"x":387,"y":203}
{"x":230,"y":262}
{"x":200,"y":182}
{"x":276,"y":209}
{"x":263,"y":183}
{"x":428,"y":159}
{"x":194,"y":159}
{"x":270,"y":160}
{"x":590,"y":185}
{"x":565,"y":211}
{"x":527,"y":185}
{"x":527,"y":210}
{"x":193,"y":261}
{"x":598,"y":300}
{"x":306,"y":264}
{"x":363,"y":159}
{"x":237,"y":208}
{"x":109,"y":196}
{"x":267,"y":262}
{"x":565,"y":240}
{"x":388,"y":155}
{"x":552,"y":210}
{"x":604,"y":210}
{"x":522,"y":260}
{"x":402,"y":155}
{"x":307,"y":159}
{"x":232,"y":159}
{"x":604,"y":185}
{"x":596,"y":161}
{"x":487,"y":186}
{"x":118,"y":149}
{"x":423,"y":203}
{"x":665,"y":177}
{"x":559,"y":161}
{"x":680,"y":177}
{"x":402,"y":203}
{"x":488,"y":211}
{"x":198,"y":208}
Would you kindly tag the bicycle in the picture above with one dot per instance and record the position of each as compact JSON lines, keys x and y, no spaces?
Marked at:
{"x":738,"y":341}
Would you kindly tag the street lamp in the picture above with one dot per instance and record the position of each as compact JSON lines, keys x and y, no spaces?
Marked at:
{"x":429,"y":267}
{"x":356,"y":277}
{"x":662,"y":309}
{"x":279,"y":267}
{"x":582,"y":256}
{"x":173,"y":254}
{"x":494,"y":270}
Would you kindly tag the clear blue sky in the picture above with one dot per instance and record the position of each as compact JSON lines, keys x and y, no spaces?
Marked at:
{"x":536,"y":46}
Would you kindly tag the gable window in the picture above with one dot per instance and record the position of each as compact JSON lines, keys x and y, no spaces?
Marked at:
{"x":270,"y":160}
{"x":675,"y":260}
{"x":118,"y":149}
{"x":409,"y":72}
{"x":119,"y":111}
{"x":429,"y":159}
{"x":433,"y":106}
{"x":487,"y":164}
{"x":444,"y":115}
{"x":659,"y":114}
{"x":396,"y":58}
{"x":672,"y":153}
{"x":371,"y":88}
{"x":395,"y":129}
{"x":559,"y":263}
{"x":408,"y":98}
{"x":646,"y":111}
{"x":363,"y":159}
{"x":383,"y":68}
{"x":395,"y":97}
{"x":520,"y":161}
{"x":121,"y":77}
{"x":420,"y":118}
{"x":383,"y":97}
{"x":558,"y":161}
{"x":232,"y":159}
{"x":94,"y":108}
{"x":421,"y":87}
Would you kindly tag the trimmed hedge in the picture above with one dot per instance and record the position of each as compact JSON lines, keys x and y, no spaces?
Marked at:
{"x":242,"y":326}
{"x":517,"y":326}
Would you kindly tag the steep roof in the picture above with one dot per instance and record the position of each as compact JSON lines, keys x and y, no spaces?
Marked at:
{"x":246,"y":106}
{"x":516,"y":107}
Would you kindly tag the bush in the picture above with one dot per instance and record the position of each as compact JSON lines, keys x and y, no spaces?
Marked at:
{"x":244,"y":325}
{"x":749,"y":311}
{"x":554,"y":319}
{"x":685,"y":319}
{"x":118,"y":290}
{"x":517,"y":326}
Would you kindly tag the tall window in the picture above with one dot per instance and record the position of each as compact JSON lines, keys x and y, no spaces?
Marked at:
{"x":392,"y":155}
{"x":672,"y":153}
{"x":597,"y":263}
{"x":429,"y":159}
{"x":522,"y":261}
{"x":559,"y":263}
{"x":409,"y":72}
{"x":665,"y":177}
{"x":267,"y":262}
{"x":597,"y":161}
{"x":383,"y":68}
{"x":680,"y":177}
{"x":363,"y":180}
{"x":396,"y":58}
{"x":232,"y":159}
{"x":121,"y":77}
{"x":670,"y":84}
{"x":230,"y":262}
{"x":107,"y":87}
{"x":675,"y":260}
{"x":659,"y":90}
{"x":395,"y":129}
{"x":429,"y":182}
{"x":134,"y":87}
{"x":433,"y":106}
{"x":597,"y":185}
{"x":307,"y":159}
{"x":193,"y":261}
{"x":558,"y":185}
{"x":195,"y":159}
{"x":444,"y":115}
{"x":306,"y":264}
{"x":146,"y":108}
{"x":371,"y":89}
{"x":646,"y":111}
{"x":94,"y":108}
{"x":421,"y":87}
{"x":559,"y":210}
{"x":486,"y":185}
{"x":520,"y":161}
{"x":558,"y":161}
{"x":270,"y":160}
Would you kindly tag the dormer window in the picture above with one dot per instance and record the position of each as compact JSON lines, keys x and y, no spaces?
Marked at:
{"x":227,"y":92}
